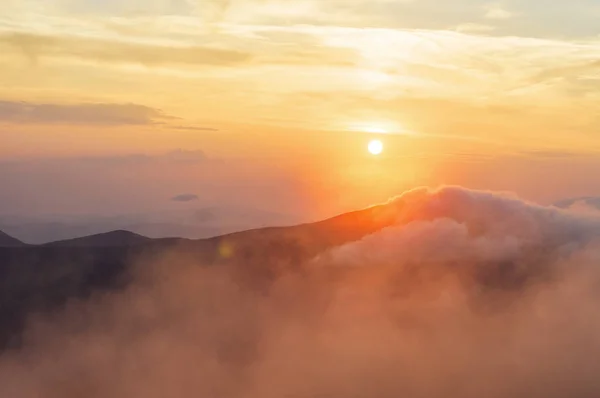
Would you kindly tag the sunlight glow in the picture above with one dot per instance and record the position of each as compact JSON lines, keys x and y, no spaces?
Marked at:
{"x":375,"y":129}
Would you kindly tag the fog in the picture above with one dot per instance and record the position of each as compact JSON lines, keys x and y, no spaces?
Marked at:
{"x":469,"y":294}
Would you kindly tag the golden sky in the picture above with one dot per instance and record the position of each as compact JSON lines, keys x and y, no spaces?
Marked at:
{"x":299,"y":83}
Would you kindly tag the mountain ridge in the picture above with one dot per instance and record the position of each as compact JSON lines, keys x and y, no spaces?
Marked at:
{"x":78,"y":268}
{"x":9,"y":241}
{"x":125,"y":237}
{"x":105,"y":239}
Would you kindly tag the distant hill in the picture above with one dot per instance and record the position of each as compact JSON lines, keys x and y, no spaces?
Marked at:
{"x":108,"y":239}
{"x":187,"y":222}
{"x":8,"y":241}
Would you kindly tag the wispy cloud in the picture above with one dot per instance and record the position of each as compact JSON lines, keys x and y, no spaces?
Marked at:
{"x":259,"y":58}
{"x":192,"y":128}
{"x":474,"y":28}
{"x":175,"y":157}
{"x":497,"y":11}
{"x":86,"y":114}
{"x":102,"y":50}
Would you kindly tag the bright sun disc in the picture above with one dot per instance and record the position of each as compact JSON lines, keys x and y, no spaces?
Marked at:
{"x":375,"y":147}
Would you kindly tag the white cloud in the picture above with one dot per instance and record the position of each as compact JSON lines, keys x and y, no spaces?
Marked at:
{"x":497,"y":11}
{"x":474,"y":28}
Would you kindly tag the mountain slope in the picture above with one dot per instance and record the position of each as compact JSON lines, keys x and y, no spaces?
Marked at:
{"x":8,"y":241}
{"x":108,"y":239}
{"x":77,"y":268}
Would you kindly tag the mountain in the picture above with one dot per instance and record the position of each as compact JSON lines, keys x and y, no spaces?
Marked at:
{"x":77,"y":268}
{"x":108,"y":239}
{"x":8,"y":241}
{"x":188,"y":222}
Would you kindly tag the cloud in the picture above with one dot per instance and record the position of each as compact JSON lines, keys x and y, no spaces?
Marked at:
{"x":79,"y":114}
{"x":192,"y":128}
{"x":588,"y":204}
{"x":474,"y":28}
{"x":35,"y":46}
{"x":468,"y":294}
{"x":557,"y":154}
{"x":496,"y":11}
{"x":186,"y":197}
{"x":284,"y":60}
{"x":178,"y":156}
{"x":583,"y":70}
{"x":186,"y":156}
{"x":486,"y":215}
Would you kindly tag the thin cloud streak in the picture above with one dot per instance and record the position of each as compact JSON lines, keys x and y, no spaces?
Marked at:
{"x":36,"y":46}
{"x":79,"y":114}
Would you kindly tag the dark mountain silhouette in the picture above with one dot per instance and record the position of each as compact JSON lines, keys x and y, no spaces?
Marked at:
{"x":8,"y":241}
{"x":42,"y":278}
{"x":108,"y":239}
{"x":191,"y":223}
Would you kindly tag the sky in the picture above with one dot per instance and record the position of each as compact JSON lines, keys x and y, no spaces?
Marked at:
{"x":114,"y":107}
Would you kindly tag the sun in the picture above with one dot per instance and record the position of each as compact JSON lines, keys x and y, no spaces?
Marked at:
{"x":375,"y":147}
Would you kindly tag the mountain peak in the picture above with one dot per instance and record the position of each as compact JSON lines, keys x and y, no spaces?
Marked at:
{"x":112,"y":238}
{"x":8,"y":241}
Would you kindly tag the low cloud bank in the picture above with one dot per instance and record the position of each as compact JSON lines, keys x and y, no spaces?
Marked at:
{"x":470,"y":294}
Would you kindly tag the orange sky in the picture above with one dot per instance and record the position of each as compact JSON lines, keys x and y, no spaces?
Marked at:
{"x":496,"y":95}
